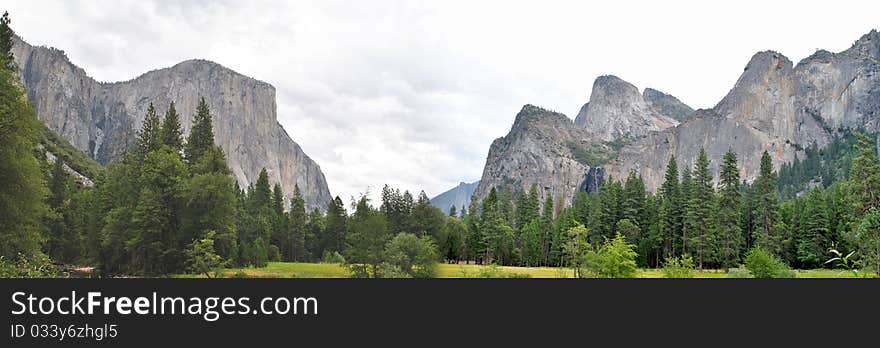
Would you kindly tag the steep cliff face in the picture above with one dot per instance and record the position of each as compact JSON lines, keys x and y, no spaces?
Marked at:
{"x":538,"y":150}
{"x":101,"y":118}
{"x":773,"y":107}
{"x":843,"y":89}
{"x":617,"y":110}
{"x":547,"y":149}
{"x":667,"y":105}
{"x":459,"y":196}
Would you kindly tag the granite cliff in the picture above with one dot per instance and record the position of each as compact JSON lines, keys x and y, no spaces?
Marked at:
{"x":100,"y":118}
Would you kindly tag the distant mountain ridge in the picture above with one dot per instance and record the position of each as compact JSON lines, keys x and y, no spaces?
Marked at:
{"x":459,"y":196}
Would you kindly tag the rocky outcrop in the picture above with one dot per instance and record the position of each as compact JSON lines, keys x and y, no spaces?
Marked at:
{"x":459,"y":196}
{"x":101,"y":118}
{"x":617,"y":110}
{"x":667,"y":105}
{"x":773,"y":106}
{"x":539,"y":150}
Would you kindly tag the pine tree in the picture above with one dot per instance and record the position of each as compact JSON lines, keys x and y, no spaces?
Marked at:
{"x":452,"y":211}
{"x":297,"y":226}
{"x":7,"y":60}
{"x":366,"y":239}
{"x":148,"y":138}
{"x":866,"y":174}
{"x":634,"y":200}
{"x":729,"y":233}
{"x":280,"y":235}
{"x":527,"y":207}
{"x":335,"y":227}
{"x":812,"y":238}
{"x":700,"y":212}
{"x":685,"y":192}
{"x":547,"y":227}
{"x":313,"y":232}
{"x":171,"y":134}
{"x":428,"y":220}
{"x":671,"y":209}
{"x":261,"y":200}
{"x":765,"y":203}
{"x":201,"y":137}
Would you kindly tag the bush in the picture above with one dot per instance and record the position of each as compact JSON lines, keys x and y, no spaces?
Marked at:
{"x":38,"y":266}
{"x":332,"y":257}
{"x":274,"y":253}
{"x":739,"y":273}
{"x":762,"y":264}
{"x":491,"y":271}
{"x":615,"y":259}
{"x":676,"y":267}
{"x":415,"y":256}
{"x":392,"y":271}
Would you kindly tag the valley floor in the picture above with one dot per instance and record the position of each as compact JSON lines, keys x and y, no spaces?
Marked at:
{"x":330,"y":270}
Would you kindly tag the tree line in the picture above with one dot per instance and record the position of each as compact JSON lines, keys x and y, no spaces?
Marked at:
{"x":691,"y":216}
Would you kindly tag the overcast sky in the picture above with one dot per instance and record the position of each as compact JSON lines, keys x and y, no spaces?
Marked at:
{"x":412,"y":93}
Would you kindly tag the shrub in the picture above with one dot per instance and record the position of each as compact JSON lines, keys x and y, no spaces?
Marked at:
{"x":492,"y":271}
{"x":332,"y":257}
{"x":676,"y":267}
{"x":37,"y":266}
{"x":762,"y":264}
{"x":739,"y":273}
{"x":274,"y":253}
{"x":415,"y":256}
{"x":615,"y":259}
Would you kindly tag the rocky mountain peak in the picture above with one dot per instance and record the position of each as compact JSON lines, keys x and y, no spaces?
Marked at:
{"x":763,"y":94}
{"x":667,"y":105}
{"x":617,"y":110}
{"x":868,"y":46}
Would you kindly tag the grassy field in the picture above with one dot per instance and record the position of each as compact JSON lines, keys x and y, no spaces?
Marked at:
{"x":329,"y":270}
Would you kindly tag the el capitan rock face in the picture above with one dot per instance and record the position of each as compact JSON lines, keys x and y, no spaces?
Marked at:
{"x":101,"y":118}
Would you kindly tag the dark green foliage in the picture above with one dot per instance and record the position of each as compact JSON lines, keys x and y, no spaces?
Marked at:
{"x":671,"y":210}
{"x":868,"y":241}
{"x":614,"y":259}
{"x":299,"y":232}
{"x":335,"y":228}
{"x":765,"y":203}
{"x":22,"y":205}
{"x":366,"y":239}
{"x":453,"y":249}
{"x":699,"y":216}
{"x":171,"y":135}
{"x":149,"y":137}
{"x":6,"y":57}
{"x":415,"y":256}
{"x":593,"y":155}
{"x":201,"y":136}
{"x":763,"y":264}
{"x":428,"y":220}
{"x":729,"y":233}
{"x":820,"y":166}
